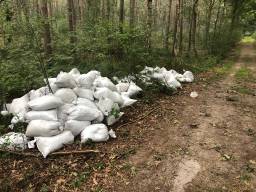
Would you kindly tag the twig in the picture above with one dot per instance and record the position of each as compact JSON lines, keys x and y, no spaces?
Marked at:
{"x":74,"y":152}
{"x":19,"y":153}
{"x":138,"y":119}
{"x":52,"y":154}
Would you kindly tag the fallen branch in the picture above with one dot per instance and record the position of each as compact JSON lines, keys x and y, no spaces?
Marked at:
{"x":74,"y":152}
{"x":19,"y":153}
{"x":140,"y":118}
{"x":52,"y":154}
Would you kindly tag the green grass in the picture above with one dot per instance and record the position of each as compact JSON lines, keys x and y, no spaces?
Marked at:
{"x":224,"y":69}
{"x":244,"y":74}
{"x":248,"y":39}
{"x":243,"y":90}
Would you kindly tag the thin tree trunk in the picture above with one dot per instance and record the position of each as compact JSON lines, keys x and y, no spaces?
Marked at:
{"x":167,"y":32}
{"x":175,"y":31}
{"x":194,"y":26}
{"x":47,"y":31}
{"x":149,"y":24}
{"x":71,"y":21}
{"x":181,"y":27}
{"x":132,"y":13}
{"x":121,"y":16}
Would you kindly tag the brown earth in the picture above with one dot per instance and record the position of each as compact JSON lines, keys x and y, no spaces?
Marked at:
{"x":167,"y":144}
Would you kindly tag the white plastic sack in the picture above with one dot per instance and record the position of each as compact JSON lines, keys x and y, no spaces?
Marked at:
{"x":84,"y":93}
{"x":107,"y":93}
{"x":133,"y":89}
{"x":127,"y":101}
{"x":4,"y":113}
{"x":112,"y":119}
{"x":50,"y":115}
{"x":42,"y":128}
{"x":105,"y":105}
{"x":95,"y":132}
{"x":86,"y":80}
{"x":75,"y":73}
{"x":13,"y":141}
{"x":122,"y":87}
{"x":65,"y":80}
{"x":86,"y":102}
{"x":188,"y":75}
{"x":66,"y":95}
{"x":47,"y":145}
{"x":76,"y":126}
{"x":20,"y":105}
{"x":34,"y":94}
{"x":62,"y":112}
{"x":51,"y":80}
{"x":45,"y":103}
{"x":104,"y":82}
{"x":83,"y":113}
{"x":171,"y":81}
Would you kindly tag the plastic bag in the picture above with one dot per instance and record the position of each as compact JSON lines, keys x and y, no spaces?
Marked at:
{"x":122,"y":87}
{"x":66,"y":95}
{"x":13,"y":141}
{"x":105,"y":105}
{"x":76,"y":126}
{"x":83,"y":113}
{"x":95,"y":132}
{"x":104,"y":82}
{"x":86,"y":80}
{"x":133,"y":89}
{"x":188,"y":75}
{"x":127,"y":101}
{"x":86,"y":102}
{"x":37,"y":128}
{"x":45,"y":103}
{"x":62,"y":112}
{"x":47,"y":145}
{"x":107,"y":93}
{"x":20,"y":105}
{"x":65,"y":80}
{"x":84,"y":93}
{"x":50,"y":115}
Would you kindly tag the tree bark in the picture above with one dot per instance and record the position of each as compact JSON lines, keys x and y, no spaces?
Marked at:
{"x":167,"y":30}
{"x":175,"y":31}
{"x":194,"y":27}
{"x":47,"y":30}
{"x":132,"y":13}
{"x":121,"y":16}
{"x":71,"y":21}
{"x":181,"y":27}
{"x":149,"y":24}
{"x":208,"y":21}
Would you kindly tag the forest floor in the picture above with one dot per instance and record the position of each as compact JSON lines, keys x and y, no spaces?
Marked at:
{"x":167,"y":144}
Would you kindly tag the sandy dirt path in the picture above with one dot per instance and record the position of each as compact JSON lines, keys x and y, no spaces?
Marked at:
{"x":203,"y":144}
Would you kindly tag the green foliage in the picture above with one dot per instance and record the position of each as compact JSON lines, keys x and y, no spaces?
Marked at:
{"x":244,"y":74}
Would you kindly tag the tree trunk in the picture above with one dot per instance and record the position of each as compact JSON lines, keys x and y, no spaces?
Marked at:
{"x":181,"y":27}
{"x":194,"y":26}
{"x":132,"y":13}
{"x":71,"y":21}
{"x":175,"y":31}
{"x":167,"y":30}
{"x":149,"y":24}
{"x":47,"y":31}
{"x":208,"y":21}
{"x":121,"y":16}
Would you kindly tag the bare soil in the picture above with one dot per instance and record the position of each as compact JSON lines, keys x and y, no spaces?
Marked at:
{"x":167,"y":144}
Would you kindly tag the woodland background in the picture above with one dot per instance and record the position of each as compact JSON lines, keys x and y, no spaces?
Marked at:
{"x":116,"y":37}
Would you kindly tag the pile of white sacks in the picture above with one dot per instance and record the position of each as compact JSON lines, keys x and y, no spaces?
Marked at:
{"x":79,"y":105}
